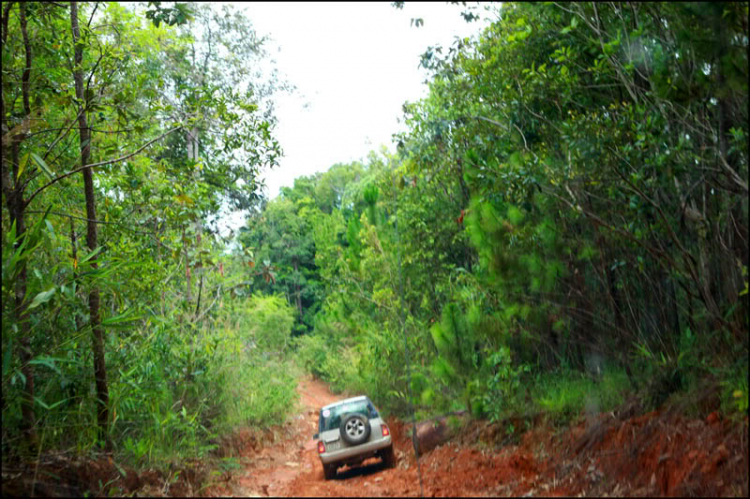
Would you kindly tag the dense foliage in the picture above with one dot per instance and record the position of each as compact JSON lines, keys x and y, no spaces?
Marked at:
{"x":565,"y":220}
{"x":158,"y":109}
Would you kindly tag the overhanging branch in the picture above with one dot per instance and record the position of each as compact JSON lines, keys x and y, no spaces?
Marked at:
{"x":118,"y":160}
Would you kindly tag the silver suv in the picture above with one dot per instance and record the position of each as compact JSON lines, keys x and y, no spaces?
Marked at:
{"x":351,"y":431}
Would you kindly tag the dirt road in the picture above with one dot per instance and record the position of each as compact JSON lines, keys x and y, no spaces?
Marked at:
{"x":291,"y":467}
{"x":653,"y":454}
{"x":619,"y":453}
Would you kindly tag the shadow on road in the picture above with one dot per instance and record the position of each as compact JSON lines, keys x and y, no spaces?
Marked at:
{"x":369,"y":467}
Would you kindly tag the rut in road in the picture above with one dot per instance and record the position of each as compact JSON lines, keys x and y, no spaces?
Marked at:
{"x":291,"y":466}
{"x":602,"y":455}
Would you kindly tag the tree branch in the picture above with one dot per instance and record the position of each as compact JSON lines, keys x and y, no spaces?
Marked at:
{"x":733,"y":174}
{"x":94,"y":165}
{"x":88,"y":24}
{"x":203,"y":314}
{"x":63,"y":135}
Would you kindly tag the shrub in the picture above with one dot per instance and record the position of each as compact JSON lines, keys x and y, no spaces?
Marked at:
{"x":311,"y":352}
{"x":271,"y":322}
{"x":565,"y":394}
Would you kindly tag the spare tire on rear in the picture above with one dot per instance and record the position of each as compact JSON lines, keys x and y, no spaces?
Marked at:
{"x":355,"y":429}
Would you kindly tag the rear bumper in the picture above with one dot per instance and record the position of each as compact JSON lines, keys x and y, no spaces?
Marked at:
{"x":359,"y":453}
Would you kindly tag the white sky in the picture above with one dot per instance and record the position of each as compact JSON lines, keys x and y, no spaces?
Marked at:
{"x":354,"y":65}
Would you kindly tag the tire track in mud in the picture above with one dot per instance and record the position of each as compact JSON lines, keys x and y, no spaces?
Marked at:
{"x":290,"y":466}
{"x":270,"y":470}
{"x":653,"y":454}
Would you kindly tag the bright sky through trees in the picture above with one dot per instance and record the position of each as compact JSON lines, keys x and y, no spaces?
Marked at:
{"x":563,"y":233}
{"x":354,"y":65}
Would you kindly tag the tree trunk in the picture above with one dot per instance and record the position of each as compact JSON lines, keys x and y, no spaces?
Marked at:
{"x":17,"y":209}
{"x":100,"y":368}
{"x":188,"y":283}
{"x":74,"y":254}
{"x":14,"y":191}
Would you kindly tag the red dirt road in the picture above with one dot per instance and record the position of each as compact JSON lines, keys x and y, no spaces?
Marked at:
{"x":653,"y":454}
{"x":620,"y":453}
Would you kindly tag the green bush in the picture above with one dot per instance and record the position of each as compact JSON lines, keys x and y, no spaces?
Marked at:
{"x":340,"y":370}
{"x":257,"y":392}
{"x":565,"y":394}
{"x":184,"y":385}
{"x":271,"y":322}
{"x":311,"y":352}
{"x":734,"y":394}
{"x":256,"y":388}
{"x":504,"y":386}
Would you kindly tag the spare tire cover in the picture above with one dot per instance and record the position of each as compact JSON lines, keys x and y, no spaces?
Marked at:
{"x":355,"y":429}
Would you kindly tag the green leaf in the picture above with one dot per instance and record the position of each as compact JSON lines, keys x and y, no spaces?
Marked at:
{"x":42,"y":298}
{"x":90,"y":255}
{"x":41,"y":402}
{"x":22,"y":165}
{"x":126,"y":316}
{"x":184,"y":199}
{"x":119,"y":468}
{"x":39,"y":161}
{"x":50,"y":407}
{"x":19,"y":375}
{"x":48,"y":362}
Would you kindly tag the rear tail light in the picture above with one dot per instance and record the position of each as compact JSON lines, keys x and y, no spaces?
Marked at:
{"x":321,"y":447}
{"x":385,"y":430}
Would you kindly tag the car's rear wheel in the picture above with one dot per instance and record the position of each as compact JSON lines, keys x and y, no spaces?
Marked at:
{"x":355,"y":429}
{"x":388,"y":456}
{"x":329,"y":471}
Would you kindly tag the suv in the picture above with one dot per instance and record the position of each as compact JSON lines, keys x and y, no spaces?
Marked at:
{"x":351,"y":431}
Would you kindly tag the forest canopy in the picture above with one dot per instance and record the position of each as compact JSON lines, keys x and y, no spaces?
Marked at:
{"x":126,"y":130}
{"x":564,"y":222}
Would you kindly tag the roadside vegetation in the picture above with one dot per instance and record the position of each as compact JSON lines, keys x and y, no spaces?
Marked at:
{"x":562,"y":229}
{"x":127,"y":326}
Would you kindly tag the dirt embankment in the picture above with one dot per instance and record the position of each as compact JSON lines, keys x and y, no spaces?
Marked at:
{"x":609,"y":454}
{"x":651,"y":454}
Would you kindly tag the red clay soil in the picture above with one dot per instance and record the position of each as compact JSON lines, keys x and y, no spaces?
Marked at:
{"x":609,"y":454}
{"x":654,"y":454}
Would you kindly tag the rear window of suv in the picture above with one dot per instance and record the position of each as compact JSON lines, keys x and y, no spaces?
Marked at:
{"x":330,"y":418}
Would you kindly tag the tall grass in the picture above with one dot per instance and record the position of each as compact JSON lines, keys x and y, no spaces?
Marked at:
{"x":565,"y":394}
{"x":174,"y":385}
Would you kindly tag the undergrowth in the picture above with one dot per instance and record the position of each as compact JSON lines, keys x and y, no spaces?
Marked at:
{"x":175,"y":387}
{"x":564,"y":394}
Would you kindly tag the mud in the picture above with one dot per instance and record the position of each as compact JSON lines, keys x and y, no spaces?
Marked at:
{"x":654,"y":454}
{"x":623,"y":453}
